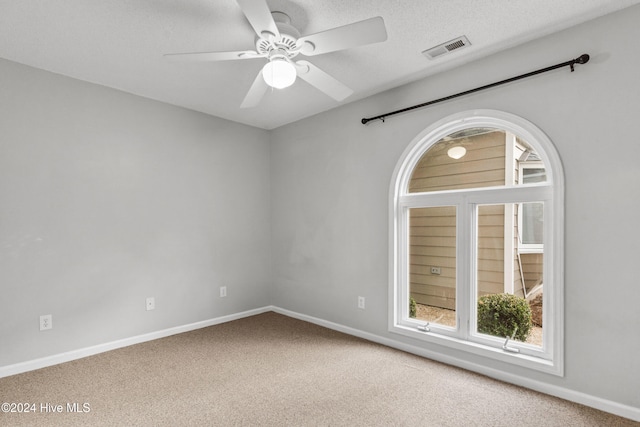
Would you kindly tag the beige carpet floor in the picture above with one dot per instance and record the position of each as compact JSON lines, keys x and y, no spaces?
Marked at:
{"x":272,"y":370}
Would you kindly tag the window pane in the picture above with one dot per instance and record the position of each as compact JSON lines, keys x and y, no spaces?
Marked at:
{"x":532,"y":223}
{"x":432,"y":264}
{"x":471,"y":158}
{"x":531,"y":175}
{"x":509,"y":282}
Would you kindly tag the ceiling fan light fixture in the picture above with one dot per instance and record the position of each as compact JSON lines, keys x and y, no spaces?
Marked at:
{"x":279,"y":73}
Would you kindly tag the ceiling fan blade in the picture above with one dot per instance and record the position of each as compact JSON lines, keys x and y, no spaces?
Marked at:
{"x":322,"y":81}
{"x":369,"y":31}
{"x":256,"y":92}
{"x":259,"y":16}
{"x":213,"y":56}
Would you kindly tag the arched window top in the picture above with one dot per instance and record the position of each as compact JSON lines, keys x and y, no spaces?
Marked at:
{"x":482,"y":140}
{"x":477,"y":157}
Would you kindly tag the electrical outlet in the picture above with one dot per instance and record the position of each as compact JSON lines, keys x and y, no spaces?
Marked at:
{"x":151,"y":303}
{"x":223,"y":291}
{"x":46,"y":322}
{"x":435,"y":270}
{"x":361,"y":303}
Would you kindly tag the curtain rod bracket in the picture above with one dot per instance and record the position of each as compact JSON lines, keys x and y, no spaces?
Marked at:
{"x":582,"y":59}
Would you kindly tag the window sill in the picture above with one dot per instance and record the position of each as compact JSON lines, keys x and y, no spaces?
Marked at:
{"x":495,"y":353}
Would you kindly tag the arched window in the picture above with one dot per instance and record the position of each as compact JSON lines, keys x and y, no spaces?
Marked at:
{"x":477,"y":229}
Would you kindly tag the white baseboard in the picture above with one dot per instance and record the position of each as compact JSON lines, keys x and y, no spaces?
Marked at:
{"x":605,"y":405}
{"x":626,"y":411}
{"x":56,"y":359}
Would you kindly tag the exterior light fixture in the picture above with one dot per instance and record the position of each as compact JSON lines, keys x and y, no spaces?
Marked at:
{"x":279,"y":73}
{"x":456,"y":152}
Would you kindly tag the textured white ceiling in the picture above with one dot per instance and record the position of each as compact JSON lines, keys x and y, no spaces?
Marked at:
{"x":120,"y":43}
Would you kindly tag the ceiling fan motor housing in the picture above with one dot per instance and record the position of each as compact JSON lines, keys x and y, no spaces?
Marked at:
{"x":285,"y":44}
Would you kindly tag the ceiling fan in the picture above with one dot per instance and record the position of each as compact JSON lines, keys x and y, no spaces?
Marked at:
{"x":279,"y":42}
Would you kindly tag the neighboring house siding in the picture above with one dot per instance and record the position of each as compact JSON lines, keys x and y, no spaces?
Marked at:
{"x":490,"y":249}
{"x":433,"y":243}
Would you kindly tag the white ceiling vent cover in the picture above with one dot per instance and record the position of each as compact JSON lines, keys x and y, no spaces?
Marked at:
{"x":451,"y":45}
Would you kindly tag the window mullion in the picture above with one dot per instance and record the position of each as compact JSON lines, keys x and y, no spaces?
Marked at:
{"x":464,"y":267}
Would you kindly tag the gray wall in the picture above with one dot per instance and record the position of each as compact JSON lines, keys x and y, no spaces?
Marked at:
{"x":107,"y":198}
{"x":331,"y":178}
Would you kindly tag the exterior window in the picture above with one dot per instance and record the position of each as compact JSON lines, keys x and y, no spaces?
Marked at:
{"x":476,"y":207}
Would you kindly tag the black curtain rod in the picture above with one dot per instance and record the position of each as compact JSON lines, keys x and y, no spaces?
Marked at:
{"x":582,"y":59}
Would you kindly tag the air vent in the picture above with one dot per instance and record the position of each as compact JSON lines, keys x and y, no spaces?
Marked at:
{"x":451,"y":45}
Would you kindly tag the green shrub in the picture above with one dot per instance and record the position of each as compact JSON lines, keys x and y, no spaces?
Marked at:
{"x":501,"y":314}
{"x":412,"y":307}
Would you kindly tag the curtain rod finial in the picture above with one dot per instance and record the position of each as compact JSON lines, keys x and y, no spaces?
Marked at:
{"x":583,"y":59}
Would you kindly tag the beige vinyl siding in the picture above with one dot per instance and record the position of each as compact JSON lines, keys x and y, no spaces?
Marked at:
{"x":490,"y":249}
{"x":432,"y":240}
{"x":482,"y":166}
{"x":432,"y":230}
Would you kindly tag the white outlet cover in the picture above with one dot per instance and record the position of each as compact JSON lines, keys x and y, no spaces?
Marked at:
{"x":151,"y":303}
{"x":46,"y":322}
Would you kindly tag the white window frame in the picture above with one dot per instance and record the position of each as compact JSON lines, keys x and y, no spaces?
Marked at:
{"x":549,"y":357}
